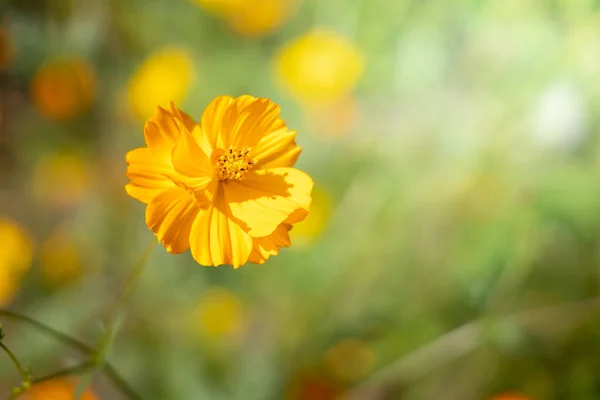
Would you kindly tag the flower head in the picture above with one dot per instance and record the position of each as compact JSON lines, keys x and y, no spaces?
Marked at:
{"x":224,"y":188}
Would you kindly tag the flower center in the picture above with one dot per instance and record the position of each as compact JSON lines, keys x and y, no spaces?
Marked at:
{"x":233,"y":164}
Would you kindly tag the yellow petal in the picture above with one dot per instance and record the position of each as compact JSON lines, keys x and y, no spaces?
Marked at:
{"x":170,"y":215}
{"x":148,"y":173}
{"x":266,"y":198}
{"x":267,"y":246}
{"x":277,"y":149}
{"x":241,"y":122}
{"x":212,"y":119}
{"x":187,"y":121}
{"x":190,"y":160}
{"x":217,"y":239}
{"x":161,"y":131}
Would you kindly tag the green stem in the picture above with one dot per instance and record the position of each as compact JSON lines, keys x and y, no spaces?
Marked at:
{"x":61,"y":337}
{"x":22,"y":371}
{"x":83,"y":348}
{"x":111,"y":327}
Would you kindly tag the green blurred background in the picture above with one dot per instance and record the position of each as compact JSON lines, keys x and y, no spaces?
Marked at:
{"x":452,"y":250}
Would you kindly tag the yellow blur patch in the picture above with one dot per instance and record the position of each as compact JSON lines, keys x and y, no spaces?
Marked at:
{"x":165,"y":76}
{"x":321,"y":66}
{"x":251,"y":17}
{"x":16,"y":254}
{"x":335,"y":120}
{"x":350,"y":359}
{"x":304,"y":233}
{"x":219,"y":314}
{"x":62,"y":180}
{"x":63,"y":88}
{"x":60,"y":258}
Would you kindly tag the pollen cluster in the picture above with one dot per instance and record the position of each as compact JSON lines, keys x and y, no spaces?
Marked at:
{"x":233,"y":164}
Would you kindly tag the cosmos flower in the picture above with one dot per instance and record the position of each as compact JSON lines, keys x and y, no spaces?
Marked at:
{"x":224,"y":188}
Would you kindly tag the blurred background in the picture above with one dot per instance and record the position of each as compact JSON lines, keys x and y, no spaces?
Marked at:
{"x":452,"y":250}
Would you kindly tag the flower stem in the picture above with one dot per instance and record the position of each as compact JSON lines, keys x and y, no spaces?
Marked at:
{"x":83,"y":348}
{"x":25,"y":376}
{"x":102,"y":348}
{"x":61,"y":337}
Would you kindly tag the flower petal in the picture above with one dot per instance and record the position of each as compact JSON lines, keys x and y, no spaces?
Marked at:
{"x":187,"y":121}
{"x":212,"y":120}
{"x":277,"y":149}
{"x":161,"y":131}
{"x":253,"y":118}
{"x":170,"y":215}
{"x":148,"y":174}
{"x":241,"y":122}
{"x":217,"y":239}
{"x":264,"y":247}
{"x":266,"y":198}
{"x":189,"y":159}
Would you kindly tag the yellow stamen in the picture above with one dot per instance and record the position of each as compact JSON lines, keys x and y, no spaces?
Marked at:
{"x":233,"y":163}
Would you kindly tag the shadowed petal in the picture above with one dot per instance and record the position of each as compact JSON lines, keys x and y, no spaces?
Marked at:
{"x":277,"y":149}
{"x":170,"y":216}
{"x":148,"y":174}
{"x":264,"y":247}
{"x":190,"y":160}
{"x":266,"y":198}
{"x":216,"y":239}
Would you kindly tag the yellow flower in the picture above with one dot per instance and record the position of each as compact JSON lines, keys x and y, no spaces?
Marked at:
{"x":225,"y":187}
{"x":251,"y":17}
{"x":166,"y":75}
{"x":61,"y":180}
{"x":56,"y":389}
{"x":16,"y":254}
{"x":219,"y":313}
{"x":63,"y":88}
{"x":321,"y":66}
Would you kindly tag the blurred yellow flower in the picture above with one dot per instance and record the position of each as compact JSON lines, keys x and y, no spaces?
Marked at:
{"x":165,"y":76}
{"x":60,"y":258}
{"x":222,"y":8}
{"x":220,"y":313}
{"x":252,"y":17}
{"x":304,"y":233}
{"x":62,"y":180}
{"x":350,"y":359}
{"x":334,"y":120}
{"x":16,"y":254}
{"x":319,"y":67}
{"x":64,"y":87}
{"x":7,"y":50}
{"x":224,"y":188}
{"x":56,"y":389}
